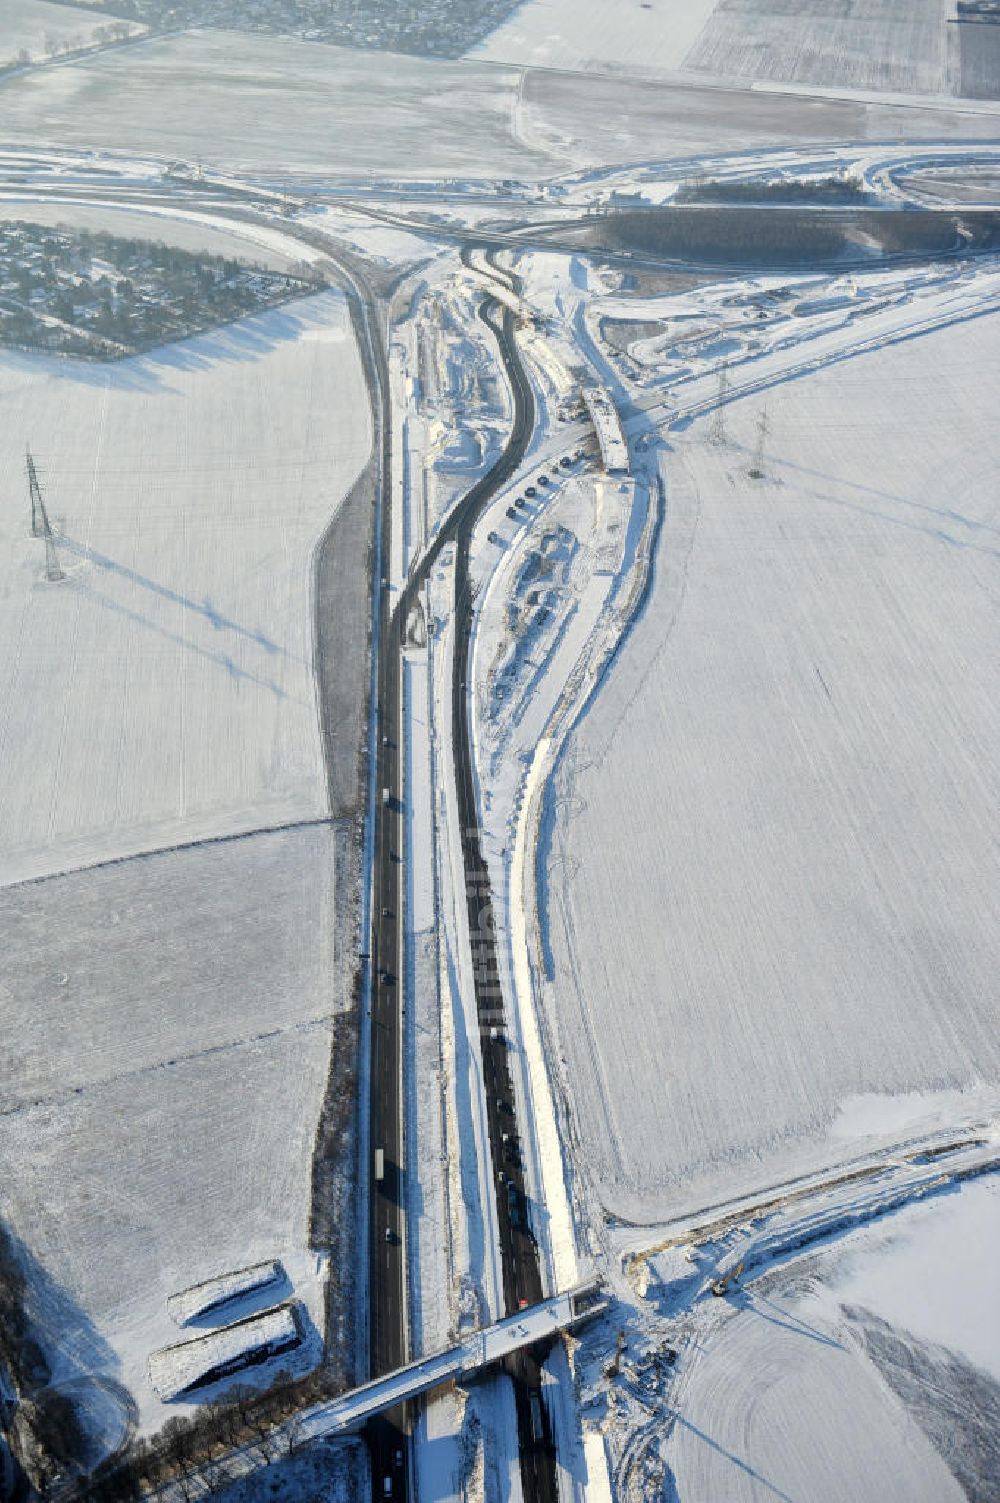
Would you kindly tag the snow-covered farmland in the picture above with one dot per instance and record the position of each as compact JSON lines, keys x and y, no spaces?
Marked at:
{"x":167,"y":1032}
{"x":191,"y":232}
{"x":41,"y":29}
{"x":270,"y":105}
{"x":867,"y":1371}
{"x":603,"y":34}
{"x":597,"y":119}
{"x":899,"y":45}
{"x":223,"y":99}
{"x":163,"y":690}
{"x":770,"y":872}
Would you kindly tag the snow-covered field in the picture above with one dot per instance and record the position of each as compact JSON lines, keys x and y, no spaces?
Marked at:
{"x":598,"y":119}
{"x":603,"y":34}
{"x":868,"y":1370}
{"x":163,"y":690}
{"x":167,"y":1029}
{"x":224,"y":100}
{"x":41,"y":29}
{"x":899,"y":45}
{"x":157,"y":1008}
{"x":247,"y":243}
{"x":270,"y":105}
{"x":770,"y":869}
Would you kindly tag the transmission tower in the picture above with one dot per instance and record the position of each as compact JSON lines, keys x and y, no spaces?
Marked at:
{"x":52,"y":569}
{"x":38,"y":522}
{"x":40,"y":527}
{"x":757,"y":468}
{"x":717,"y":432}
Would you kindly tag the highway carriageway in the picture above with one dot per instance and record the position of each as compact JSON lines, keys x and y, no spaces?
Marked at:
{"x":481,"y":1349}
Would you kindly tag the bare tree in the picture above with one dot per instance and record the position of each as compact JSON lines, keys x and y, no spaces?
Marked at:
{"x":225,"y":1421}
{"x":215,"y":1475}
{"x":293,"y":1434}
{"x":263,"y":1445}
{"x":185,"y":1484}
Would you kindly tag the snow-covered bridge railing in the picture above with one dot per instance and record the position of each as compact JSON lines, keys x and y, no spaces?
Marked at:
{"x":481,"y":1349}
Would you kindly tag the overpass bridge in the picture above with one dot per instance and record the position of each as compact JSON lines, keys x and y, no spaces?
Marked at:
{"x":607,"y":424}
{"x":479,"y":1350}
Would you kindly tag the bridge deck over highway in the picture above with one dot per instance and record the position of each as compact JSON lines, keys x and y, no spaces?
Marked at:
{"x":614,"y":449}
{"x":481,"y":1349}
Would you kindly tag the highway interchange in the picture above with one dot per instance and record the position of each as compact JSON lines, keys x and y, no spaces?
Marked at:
{"x":385,"y":972}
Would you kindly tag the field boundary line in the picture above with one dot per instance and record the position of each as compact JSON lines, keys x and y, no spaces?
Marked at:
{"x":166,"y":850}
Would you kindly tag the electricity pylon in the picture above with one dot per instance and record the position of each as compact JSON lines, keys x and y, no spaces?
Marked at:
{"x":40,"y":527}
{"x":53,"y":573}
{"x":717,"y":432}
{"x":756,"y":470}
{"x":37,"y":504}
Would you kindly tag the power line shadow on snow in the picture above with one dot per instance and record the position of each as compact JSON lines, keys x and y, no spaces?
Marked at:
{"x":757,"y":1304}
{"x":203,"y":608}
{"x":744,"y":1466}
{"x":945,"y":514}
{"x":220,"y":659}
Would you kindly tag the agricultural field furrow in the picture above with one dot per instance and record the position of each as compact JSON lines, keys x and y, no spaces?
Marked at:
{"x":35,"y":31}
{"x":272,"y":105}
{"x":769,"y":886}
{"x":163,"y":690}
{"x":896,"y":45}
{"x":165,"y":1056}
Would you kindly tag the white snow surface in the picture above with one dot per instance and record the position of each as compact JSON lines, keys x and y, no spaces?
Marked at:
{"x":835,"y":1376}
{"x":163,"y":691}
{"x":602,"y":35}
{"x":148,"y":1048}
{"x":277,"y":106}
{"x":37,"y":27}
{"x":197,"y":1301}
{"x":789,"y":780}
{"x":903,"y":1116}
{"x":173,"y":1369}
{"x":930,"y":1271}
{"x":894,"y":45}
{"x":780,"y":1409}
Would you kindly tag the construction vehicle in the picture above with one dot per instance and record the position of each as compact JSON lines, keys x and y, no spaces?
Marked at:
{"x":615,"y":1366}
{"x":721,"y":1286}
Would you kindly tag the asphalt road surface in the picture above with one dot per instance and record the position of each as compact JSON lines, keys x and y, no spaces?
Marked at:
{"x":521,"y":1274}
{"x":519,"y":1254}
{"x":388,"y":1324}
